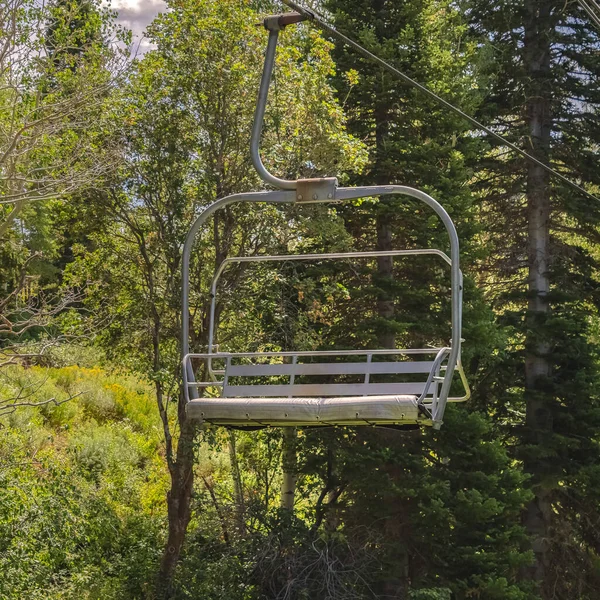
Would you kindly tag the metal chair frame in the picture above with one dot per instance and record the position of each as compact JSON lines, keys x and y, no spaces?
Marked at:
{"x":291,"y":403}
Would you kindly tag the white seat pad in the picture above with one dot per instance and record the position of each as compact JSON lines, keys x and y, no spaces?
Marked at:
{"x":357,"y":410}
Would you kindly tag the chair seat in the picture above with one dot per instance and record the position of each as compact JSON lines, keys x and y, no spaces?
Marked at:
{"x":291,"y":412}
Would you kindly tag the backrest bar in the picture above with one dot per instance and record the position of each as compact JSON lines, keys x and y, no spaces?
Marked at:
{"x":350,"y":368}
{"x":319,"y":390}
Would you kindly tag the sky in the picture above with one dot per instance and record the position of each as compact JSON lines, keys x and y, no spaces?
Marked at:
{"x":137,"y":14}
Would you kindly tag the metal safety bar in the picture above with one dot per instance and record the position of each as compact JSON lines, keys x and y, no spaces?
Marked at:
{"x":274,"y":25}
{"x":294,"y":368}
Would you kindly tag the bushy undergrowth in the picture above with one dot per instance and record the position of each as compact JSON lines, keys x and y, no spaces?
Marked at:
{"x":82,"y":487}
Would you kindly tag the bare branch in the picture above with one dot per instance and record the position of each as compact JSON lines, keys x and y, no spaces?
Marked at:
{"x":56,"y":134}
{"x":11,"y":407}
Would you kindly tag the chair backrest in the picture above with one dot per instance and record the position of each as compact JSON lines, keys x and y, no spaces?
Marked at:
{"x":316,"y":379}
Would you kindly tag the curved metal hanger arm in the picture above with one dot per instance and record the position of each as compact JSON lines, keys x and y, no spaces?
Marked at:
{"x":274,"y":25}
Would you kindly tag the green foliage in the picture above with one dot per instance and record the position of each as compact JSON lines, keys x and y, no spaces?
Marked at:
{"x":81,"y":511}
{"x":60,"y":65}
{"x":188,"y":115}
{"x":433,"y":594}
{"x":378,"y":512}
{"x":560,"y":410}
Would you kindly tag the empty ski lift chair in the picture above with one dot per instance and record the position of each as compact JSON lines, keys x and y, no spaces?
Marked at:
{"x":244,"y":402}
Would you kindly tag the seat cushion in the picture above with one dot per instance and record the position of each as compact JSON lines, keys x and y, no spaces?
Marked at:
{"x":357,"y":410}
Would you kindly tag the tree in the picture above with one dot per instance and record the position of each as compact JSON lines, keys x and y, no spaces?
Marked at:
{"x":412,"y":140}
{"x":415,"y":142}
{"x":543,"y":94}
{"x":188,"y":118}
{"x":50,"y":93}
{"x":59,"y":64}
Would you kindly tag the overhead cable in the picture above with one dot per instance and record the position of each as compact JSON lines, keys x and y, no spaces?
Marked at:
{"x":592,"y":9}
{"x":312,"y":16}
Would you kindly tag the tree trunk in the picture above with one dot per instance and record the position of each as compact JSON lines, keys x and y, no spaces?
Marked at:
{"x":178,"y":505}
{"x":385,"y":275}
{"x":385,"y":264}
{"x":211,"y":491}
{"x":397,"y":583}
{"x":238,"y":489}
{"x":289,"y":468}
{"x":538,"y":418}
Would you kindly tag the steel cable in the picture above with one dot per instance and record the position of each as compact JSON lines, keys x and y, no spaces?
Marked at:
{"x":312,"y":16}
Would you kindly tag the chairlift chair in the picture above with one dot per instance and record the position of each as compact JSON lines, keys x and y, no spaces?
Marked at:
{"x":260,"y":389}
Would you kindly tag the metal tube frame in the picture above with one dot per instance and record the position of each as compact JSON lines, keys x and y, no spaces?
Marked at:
{"x":259,"y":115}
{"x":287,"y":195}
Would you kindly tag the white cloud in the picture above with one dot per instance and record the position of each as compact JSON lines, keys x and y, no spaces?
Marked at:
{"x":137,"y":15}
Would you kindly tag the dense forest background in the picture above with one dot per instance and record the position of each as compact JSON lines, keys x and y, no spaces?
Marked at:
{"x":107,"y":489}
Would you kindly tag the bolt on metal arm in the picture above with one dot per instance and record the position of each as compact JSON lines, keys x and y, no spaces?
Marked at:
{"x":274,"y":25}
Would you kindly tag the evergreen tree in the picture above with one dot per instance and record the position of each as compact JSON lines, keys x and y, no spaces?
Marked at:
{"x":542,"y":66}
{"x":76,"y":35}
{"x":413,"y":141}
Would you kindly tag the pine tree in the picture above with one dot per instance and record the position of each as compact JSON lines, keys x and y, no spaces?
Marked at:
{"x":542,"y":65}
{"x":412,"y":141}
{"x":388,"y":480}
{"x":76,"y":35}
